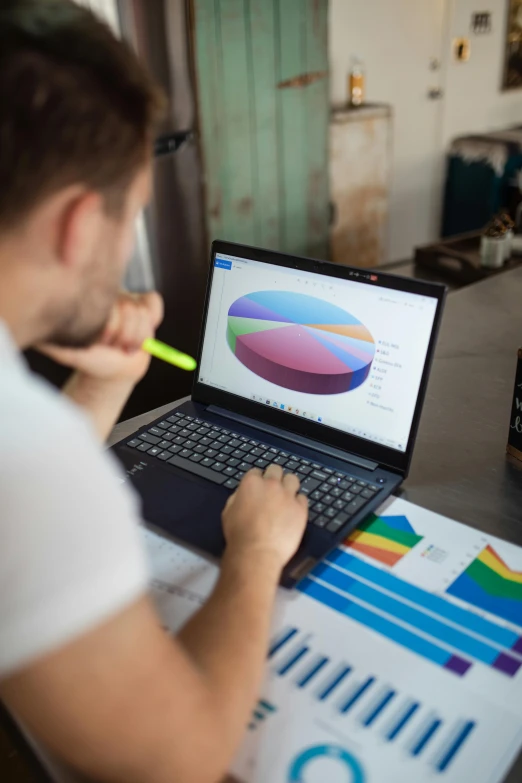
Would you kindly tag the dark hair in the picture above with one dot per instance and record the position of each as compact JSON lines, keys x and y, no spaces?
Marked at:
{"x":76,"y":106}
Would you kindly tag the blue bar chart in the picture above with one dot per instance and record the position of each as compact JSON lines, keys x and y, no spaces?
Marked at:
{"x":365,"y":699}
{"x":426,"y":624}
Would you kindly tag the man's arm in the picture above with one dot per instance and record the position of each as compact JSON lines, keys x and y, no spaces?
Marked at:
{"x":126,"y":703}
{"x":107,"y":371}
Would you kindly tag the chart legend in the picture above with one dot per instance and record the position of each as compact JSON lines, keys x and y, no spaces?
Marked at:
{"x":300,"y":342}
{"x":492,"y":586}
{"x":386,"y":539}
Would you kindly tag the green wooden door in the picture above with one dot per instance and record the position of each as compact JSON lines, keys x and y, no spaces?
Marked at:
{"x":262,"y":86}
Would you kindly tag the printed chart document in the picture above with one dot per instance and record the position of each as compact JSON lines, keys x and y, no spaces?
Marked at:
{"x":398,"y":660}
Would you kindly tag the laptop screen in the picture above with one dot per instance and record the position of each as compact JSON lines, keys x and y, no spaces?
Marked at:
{"x":346,"y":354}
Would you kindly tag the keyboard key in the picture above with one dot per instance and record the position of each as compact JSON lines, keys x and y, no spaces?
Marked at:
{"x":321,"y":521}
{"x":340,"y":475}
{"x":152,"y":439}
{"x":222,"y":457}
{"x":184,"y":433}
{"x":334,"y":526}
{"x":318,"y":475}
{"x":238,"y":453}
{"x":163,"y":425}
{"x":342,"y":519}
{"x":134,"y":443}
{"x":257,"y":452}
{"x":276,"y":460}
{"x":254,"y":442}
{"x":305,"y":462}
{"x":175,"y":449}
{"x":233,"y":462}
{"x":189,"y":418}
{"x":196,"y":458}
{"x":199,"y":449}
{"x":164,"y":444}
{"x":268,"y":455}
{"x":362,"y":484}
{"x":356,"y":489}
{"x":226,"y":449}
{"x":243,"y":438}
{"x":316,"y":495}
{"x":186,"y":453}
{"x":195,"y":438}
{"x":319,"y":507}
{"x":355,"y":505}
{"x":329,"y":471}
{"x":339,"y":504}
{"x":235,"y":442}
{"x":206,"y":441}
{"x":336,"y":492}
{"x":292,"y":465}
{"x":203,"y":431}
{"x":316,"y":466}
{"x":328,"y":500}
{"x":250,"y":458}
{"x":274,"y":451}
{"x":179,"y":441}
{"x":229,"y":472}
{"x":168,"y":435}
{"x":367,"y":493}
{"x":231,"y":483}
{"x":331,"y":513}
{"x":325,"y":488}
{"x":164,"y":455}
{"x":333,"y":481}
{"x":218,"y":467}
{"x":261,"y":463}
{"x":304,"y":469}
{"x":154,"y":451}
{"x":144,"y":446}
{"x":210,"y":453}
{"x":224,"y":439}
{"x":244,"y":467}
{"x":344,"y":484}
{"x":309,"y":484}
{"x":347,"y":496}
{"x":312,"y":516}
{"x":216,"y":428}
{"x":374,"y":488}
{"x":155,"y":431}
{"x":207,"y":462}
{"x":192,"y":427}
{"x":300,"y":476}
{"x":174,"y":419}
{"x":285,"y":455}
{"x":197,"y":470}
{"x":239,"y":475}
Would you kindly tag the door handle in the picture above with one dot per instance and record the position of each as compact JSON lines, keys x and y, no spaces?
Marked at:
{"x":435,"y":93}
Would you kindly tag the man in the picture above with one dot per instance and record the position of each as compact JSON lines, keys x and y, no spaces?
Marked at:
{"x":84,"y":662}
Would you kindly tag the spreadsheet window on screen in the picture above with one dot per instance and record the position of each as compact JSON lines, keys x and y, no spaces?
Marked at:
{"x":345,"y":354}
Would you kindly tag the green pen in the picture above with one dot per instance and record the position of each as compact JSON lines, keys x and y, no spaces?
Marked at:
{"x":167,"y":354}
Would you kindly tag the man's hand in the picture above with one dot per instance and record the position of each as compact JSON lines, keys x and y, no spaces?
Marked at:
{"x":107,"y":372}
{"x":117,"y":356}
{"x":266,"y":516}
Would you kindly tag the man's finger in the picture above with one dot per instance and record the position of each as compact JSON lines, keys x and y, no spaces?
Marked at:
{"x":291,"y":482}
{"x":274,"y":472}
{"x":303,"y":500}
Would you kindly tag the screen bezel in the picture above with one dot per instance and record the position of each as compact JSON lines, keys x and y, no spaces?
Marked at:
{"x":383,"y":455}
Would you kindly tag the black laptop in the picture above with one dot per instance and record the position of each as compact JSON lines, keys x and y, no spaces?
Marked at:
{"x":319,"y":368}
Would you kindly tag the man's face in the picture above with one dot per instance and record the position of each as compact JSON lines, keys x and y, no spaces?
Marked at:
{"x":83,"y":319}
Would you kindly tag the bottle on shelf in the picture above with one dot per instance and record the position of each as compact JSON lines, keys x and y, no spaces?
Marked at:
{"x":356,"y":83}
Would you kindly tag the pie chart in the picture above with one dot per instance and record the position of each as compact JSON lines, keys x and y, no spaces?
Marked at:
{"x":300,"y":342}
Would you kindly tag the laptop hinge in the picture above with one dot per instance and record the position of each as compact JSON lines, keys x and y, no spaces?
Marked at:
{"x":300,"y":440}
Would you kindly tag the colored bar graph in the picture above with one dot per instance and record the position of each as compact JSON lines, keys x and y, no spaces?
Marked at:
{"x":491,"y":585}
{"x":281,"y":640}
{"x":334,"y":683}
{"x":425,"y":738}
{"x":354,"y":697}
{"x":386,"y":539}
{"x":455,"y":745}
{"x":432,"y":603}
{"x":393,"y":631}
{"x":378,"y":709}
{"x":418,"y":619}
{"x":403,"y":720}
{"x":292,"y":661}
{"x":311,"y":673}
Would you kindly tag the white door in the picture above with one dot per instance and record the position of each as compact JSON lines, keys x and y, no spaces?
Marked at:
{"x":401,"y":45}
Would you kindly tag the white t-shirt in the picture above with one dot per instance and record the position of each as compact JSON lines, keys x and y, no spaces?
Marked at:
{"x":70,"y":547}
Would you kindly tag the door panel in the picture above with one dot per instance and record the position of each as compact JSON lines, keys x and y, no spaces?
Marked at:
{"x":262,"y":79}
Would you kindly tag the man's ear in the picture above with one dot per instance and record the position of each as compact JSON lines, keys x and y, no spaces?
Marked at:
{"x":78,"y":228}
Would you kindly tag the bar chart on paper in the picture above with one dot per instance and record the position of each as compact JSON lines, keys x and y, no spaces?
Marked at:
{"x":371,"y":702}
{"x":426,"y":624}
{"x":491,"y":585}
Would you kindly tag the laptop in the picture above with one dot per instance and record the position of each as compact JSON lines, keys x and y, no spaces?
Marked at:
{"x":316,"y":367}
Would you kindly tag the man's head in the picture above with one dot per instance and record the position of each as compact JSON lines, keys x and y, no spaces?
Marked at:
{"x":77,"y":118}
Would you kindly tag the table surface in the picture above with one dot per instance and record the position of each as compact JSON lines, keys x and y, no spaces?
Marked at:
{"x":460,"y":467}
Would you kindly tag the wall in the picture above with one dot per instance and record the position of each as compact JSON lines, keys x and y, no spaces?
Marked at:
{"x":393,"y":38}
{"x":474,"y":100}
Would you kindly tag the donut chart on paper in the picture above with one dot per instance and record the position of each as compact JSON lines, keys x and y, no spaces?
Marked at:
{"x":300,"y":342}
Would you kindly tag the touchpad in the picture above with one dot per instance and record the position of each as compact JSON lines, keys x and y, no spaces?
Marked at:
{"x":187,"y":507}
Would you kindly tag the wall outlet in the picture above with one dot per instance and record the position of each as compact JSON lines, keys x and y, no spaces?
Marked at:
{"x":482,"y":23}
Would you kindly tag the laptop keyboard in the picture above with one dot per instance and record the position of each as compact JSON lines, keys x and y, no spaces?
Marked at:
{"x":223,"y":457}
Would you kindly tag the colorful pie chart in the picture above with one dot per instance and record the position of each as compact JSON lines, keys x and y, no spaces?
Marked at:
{"x":300,"y":342}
